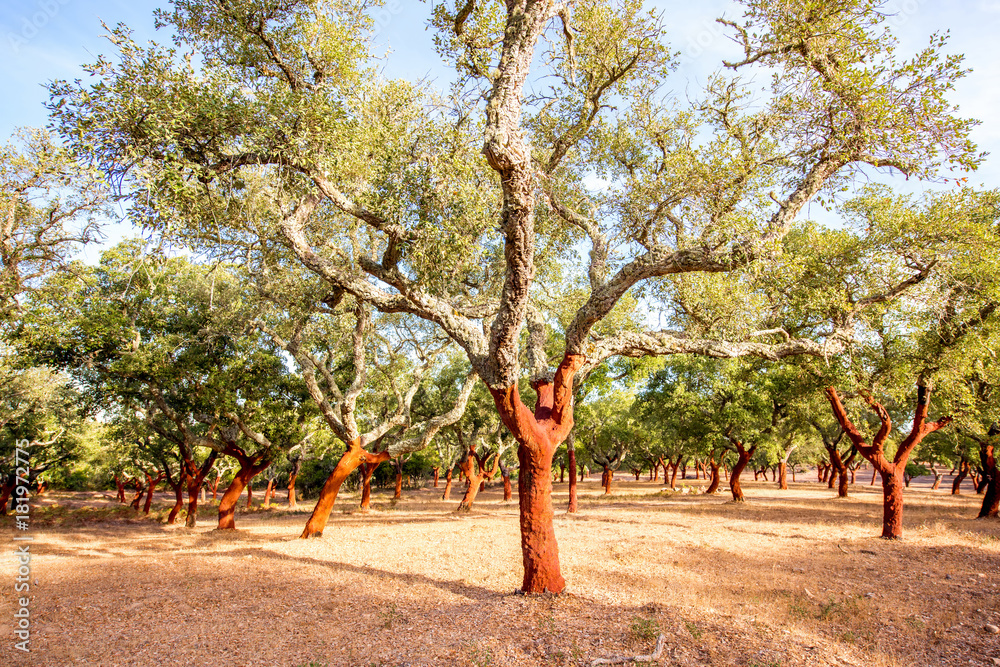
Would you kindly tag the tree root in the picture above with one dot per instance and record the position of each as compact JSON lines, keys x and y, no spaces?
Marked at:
{"x":661,"y":641}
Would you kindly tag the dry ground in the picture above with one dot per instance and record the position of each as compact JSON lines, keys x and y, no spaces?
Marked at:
{"x":789,"y":578}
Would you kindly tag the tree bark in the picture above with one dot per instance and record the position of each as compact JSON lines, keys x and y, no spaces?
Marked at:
{"x":892,"y":504}
{"x":783,"y":476}
{"x":991,"y":497}
{"x":673,"y":474}
{"x":447,"y":485}
{"x":891,"y":471}
{"x":713,"y":486}
{"x":152,"y":482}
{"x":292,"y":504}
{"x":538,"y":434}
{"x":741,"y":463}
{"x":118,"y":483}
{"x":195,"y":477}
{"x":436,"y":471}
{"x":367,"y":470}
{"x":607,"y":478}
{"x":227,"y":506}
{"x":572,"y":505}
{"x":353,"y":457}
{"x":963,"y":471}
{"x":137,"y":499}
{"x":398,"y":491}
{"x":178,"y":504}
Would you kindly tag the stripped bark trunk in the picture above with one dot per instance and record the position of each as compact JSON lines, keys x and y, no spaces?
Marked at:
{"x":991,"y":496}
{"x":353,"y":457}
{"x":890,"y":471}
{"x":963,"y":471}
{"x":151,"y":482}
{"x":713,"y":486}
{"x":292,"y":504}
{"x":436,"y":471}
{"x":447,"y":485}
{"x":367,"y":470}
{"x":572,"y":504}
{"x":194,"y":477}
{"x":741,"y":463}
{"x":538,"y":434}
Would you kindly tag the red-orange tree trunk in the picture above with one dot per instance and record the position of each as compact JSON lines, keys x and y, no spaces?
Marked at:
{"x":447,"y":485}
{"x":538,"y":434}
{"x":571,"y":506}
{"x":713,"y":486}
{"x":890,"y":471}
{"x":783,"y":476}
{"x":963,"y":471}
{"x":152,"y":482}
{"x":353,"y":457}
{"x":991,"y":497}
{"x":227,"y":506}
{"x":367,"y":470}
{"x":291,"y":491}
{"x":741,"y":463}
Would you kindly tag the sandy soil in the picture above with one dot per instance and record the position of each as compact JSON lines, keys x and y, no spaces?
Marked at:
{"x":789,"y":578}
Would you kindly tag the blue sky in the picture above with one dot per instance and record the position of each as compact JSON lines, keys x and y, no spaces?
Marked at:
{"x":41,"y":40}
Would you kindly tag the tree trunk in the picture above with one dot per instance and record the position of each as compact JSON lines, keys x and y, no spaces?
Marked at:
{"x":562,"y":473}
{"x":540,"y":553}
{"x":152,"y":482}
{"x":963,"y":471}
{"x":572,"y":506}
{"x":713,"y":486}
{"x":215,"y":487}
{"x":118,"y":483}
{"x":684,"y":471}
{"x":471,"y":491}
{"x":892,"y":503}
{"x":991,"y":474}
{"x":178,"y":504}
{"x":637,"y":473}
{"x":793,"y":473}
{"x":842,"y":486}
{"x":268,"y":493}
{"x":673,"y":475}
{"x":291,"y":489}
{"x":607,"y":478}
{"x":937,"y":478}
{"x":447,"y":485}
{"x":227,"y":506}
{"x":353,"y":457}
{"x":398,"y":491}
{"x":506,"y":483}
{"x":874,"y":472}
{"x":367,"y":470}
{"x":436,"y":471}
{"x":734,"y":478}
{"x":783,"y":476}
{"x":138,"y":499}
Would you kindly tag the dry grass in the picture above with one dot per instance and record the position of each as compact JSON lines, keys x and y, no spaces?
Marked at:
{"x":789,"y":578}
